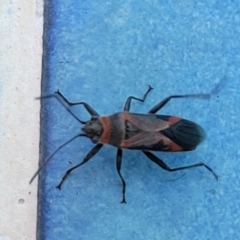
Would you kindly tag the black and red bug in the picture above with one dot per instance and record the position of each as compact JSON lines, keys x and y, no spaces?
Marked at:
{"x":145,"y":132}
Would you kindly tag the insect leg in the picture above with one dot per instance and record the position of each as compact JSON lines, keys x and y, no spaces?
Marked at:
{"x":129,"y":99}
{"x":163,"y":165}
{"x":91,"y":111}
{"x":66,"y":104}
{"x":167,"y":99}
{"x":93,"y":151}
{"x":118,"y":165}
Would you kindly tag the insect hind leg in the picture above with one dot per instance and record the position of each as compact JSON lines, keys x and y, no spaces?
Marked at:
{"x":162,"y":103}
{"x":163,"y":165}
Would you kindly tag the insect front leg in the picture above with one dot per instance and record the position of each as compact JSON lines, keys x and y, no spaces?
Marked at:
{"x":91,"y":111}
{"x":93,"y":151}
{"x":67,"y":105}
{"x":163,"y":165}
{"x":118,"y":166}
{"x":129,"y":99}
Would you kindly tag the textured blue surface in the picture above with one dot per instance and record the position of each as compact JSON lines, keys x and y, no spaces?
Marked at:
{"x":103,"y":51}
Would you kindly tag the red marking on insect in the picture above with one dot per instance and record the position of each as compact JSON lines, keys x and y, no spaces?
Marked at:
{"x":174,"y":147}
{"x":106,"y":125}
{"x":172,"y":120}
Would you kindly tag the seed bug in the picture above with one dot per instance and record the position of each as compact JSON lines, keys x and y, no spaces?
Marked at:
{"x":135,"y":131}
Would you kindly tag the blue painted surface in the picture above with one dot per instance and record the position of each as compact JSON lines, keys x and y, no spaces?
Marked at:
{"x":102,"y":52}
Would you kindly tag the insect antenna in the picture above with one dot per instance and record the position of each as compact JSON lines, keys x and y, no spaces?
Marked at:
{"x":49,"y":157}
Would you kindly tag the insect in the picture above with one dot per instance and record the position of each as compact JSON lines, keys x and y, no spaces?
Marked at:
{"x":145,"y":132}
